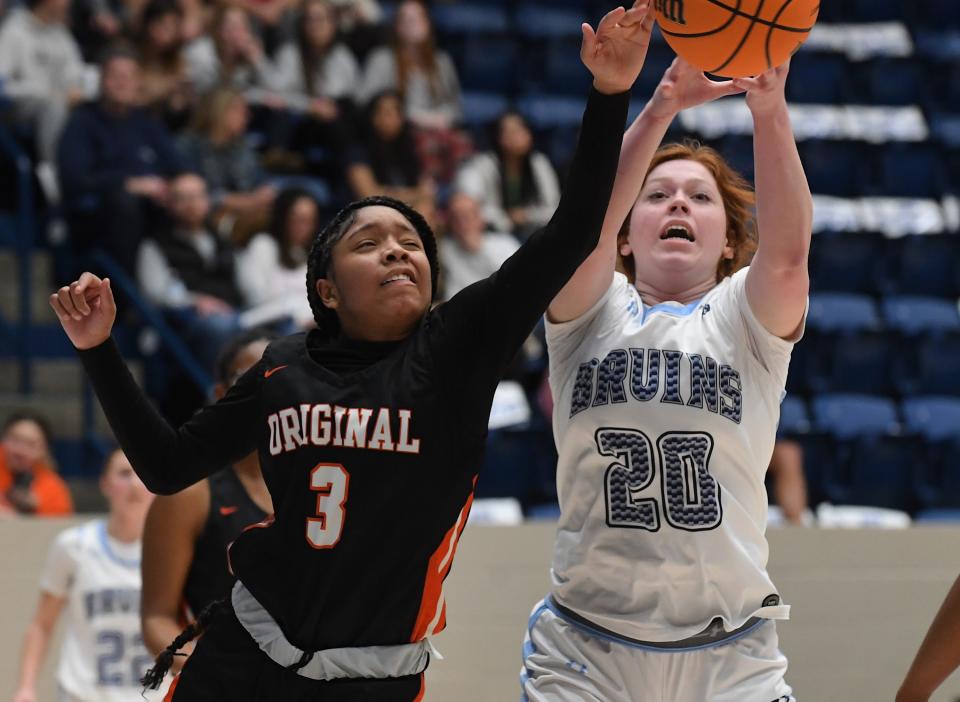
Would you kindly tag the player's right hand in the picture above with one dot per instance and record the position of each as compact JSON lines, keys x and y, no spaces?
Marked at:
{"x":683,"y":86}
{"x":86,"y":310}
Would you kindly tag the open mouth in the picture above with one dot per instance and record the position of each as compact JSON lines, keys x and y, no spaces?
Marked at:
{"x":677,"y":231}
{"x":399,"y":278}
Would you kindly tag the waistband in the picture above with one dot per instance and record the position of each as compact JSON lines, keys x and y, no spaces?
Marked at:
{"x":331,"y":663}
{"x":713,"y":635}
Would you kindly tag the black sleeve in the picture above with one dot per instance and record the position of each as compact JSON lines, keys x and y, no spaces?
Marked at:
{"x":484,"y":325}
{"x":168,"y":459}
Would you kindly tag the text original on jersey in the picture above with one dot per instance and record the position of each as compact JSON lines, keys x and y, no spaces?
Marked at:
{"x":350,"y":427}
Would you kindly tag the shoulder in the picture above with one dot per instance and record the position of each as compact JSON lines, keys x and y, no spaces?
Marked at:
{"x":284,"y":349}
{"x":380,"y":56}
{"x":342,"y":55}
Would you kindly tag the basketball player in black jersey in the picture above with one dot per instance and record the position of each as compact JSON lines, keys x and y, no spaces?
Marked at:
{"x":370,"y":429}
{"x":186,"y":535}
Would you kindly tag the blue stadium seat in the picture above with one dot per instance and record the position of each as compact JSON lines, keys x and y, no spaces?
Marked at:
{"x":892,"y":81}
{"x":909,"y":170}
{"x":859,"y":362}
{"x":879,"y":473}
{"x":846,"y":261}
{"x":819,"y":78}
{"x":912,"y":315}
{"x":934,"y":417}
{"x":937,"y":483}
{"x":926,"y":264}
{"x":937,"y":366}
{"x":482,"y":109}
{"x":848,"y":416}
{"x":793,"y":417}
{"x":549,"y":111}
{"x":833,"y":167}
{"x":548,"y":21}
{"x":469,"y":18}
{"x":875,"y":10}
{"x":506,"y":466}
{"x":564,"y":72}
{"x":737,"y":149}
{"x":842,"y":312}
{"x":488,"y":64}
{"x":941,"y":14}
{"x":937,"y":516}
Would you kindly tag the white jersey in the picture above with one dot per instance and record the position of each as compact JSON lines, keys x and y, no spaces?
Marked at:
{"x":102,"y":657}
{"x":665,"y":419}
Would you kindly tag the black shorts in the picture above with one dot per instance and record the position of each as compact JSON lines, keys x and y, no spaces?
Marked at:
{"x":228,"y":665}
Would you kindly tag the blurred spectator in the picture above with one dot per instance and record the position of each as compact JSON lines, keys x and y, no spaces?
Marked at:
{"x":426,"y":78}
{"x":470,"y":253}
{"x":386,"y":162}
{"x":231,"y":55}
{"x":217,"y":148}
{"x":189,"y":271}
{"x":165,"y":87}
{"x":788,"y":483}
{"x":516,"y":186}
{"x":41,"y":70}
{"x":28,"y":484}
{"x":319,"y":77}
{"x":272,"y":19}
{"x":115,"y":160}
{"x":96,"y":23}
{"x":272,"y":269}
{"x":360,"y":25}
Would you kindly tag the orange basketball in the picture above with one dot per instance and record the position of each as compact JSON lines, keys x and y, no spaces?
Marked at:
{"x":736,"y":38}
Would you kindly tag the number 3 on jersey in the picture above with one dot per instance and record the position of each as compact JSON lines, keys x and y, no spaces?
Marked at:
{"x":330,"y":481}
{"x":690,"y":495}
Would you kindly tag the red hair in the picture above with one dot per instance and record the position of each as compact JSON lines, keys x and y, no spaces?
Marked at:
{"x":737,"y":197}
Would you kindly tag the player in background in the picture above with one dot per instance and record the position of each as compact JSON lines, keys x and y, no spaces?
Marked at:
{"x":186,"y":535}
{"x":667,"y":387}
{"x":370,"y":428}
{"x":93,"y":578}
{"x":939,"y":654}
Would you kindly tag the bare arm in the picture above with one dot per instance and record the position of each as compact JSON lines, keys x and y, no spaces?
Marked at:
{"x":682,"y":86}
{"x":174,"y":523}
{"x":778,"y":281}
{"x":35,"y":644}
{"x":939,"y":654}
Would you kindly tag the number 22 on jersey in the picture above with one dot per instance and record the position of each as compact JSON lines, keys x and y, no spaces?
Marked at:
{"x":331,"y":482}
{"x":690,"y":495}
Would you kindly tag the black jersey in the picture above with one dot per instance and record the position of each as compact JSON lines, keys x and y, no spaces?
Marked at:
{"x":371,"y":471}
{"x":231,"y":510}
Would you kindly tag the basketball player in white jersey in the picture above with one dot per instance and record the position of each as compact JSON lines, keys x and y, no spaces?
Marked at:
{"x":93,"y":577}
{"x":667,"y":384}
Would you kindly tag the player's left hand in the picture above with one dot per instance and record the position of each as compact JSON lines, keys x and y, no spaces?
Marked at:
{"x":615,"y":52}
{"x":765,"y":92}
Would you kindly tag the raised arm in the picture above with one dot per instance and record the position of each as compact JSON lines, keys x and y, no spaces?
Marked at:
{"x":778,"y":281}
{"x":682,"y":86}
{"x":939,"y":654}
{"x":35,"y":645}
{"x":166,"y":459}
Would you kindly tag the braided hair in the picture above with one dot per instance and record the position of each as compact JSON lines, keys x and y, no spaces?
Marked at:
{"x":154,"y":677}
{"x":321,"y":252}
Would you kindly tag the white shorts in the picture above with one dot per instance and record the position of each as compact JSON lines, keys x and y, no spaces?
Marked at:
{"x":562,"y":662}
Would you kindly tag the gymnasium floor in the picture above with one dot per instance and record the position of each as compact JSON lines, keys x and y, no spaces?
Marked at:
{"x":861,"y":603}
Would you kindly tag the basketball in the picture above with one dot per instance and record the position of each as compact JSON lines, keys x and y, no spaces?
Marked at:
{"x":736,"y":38}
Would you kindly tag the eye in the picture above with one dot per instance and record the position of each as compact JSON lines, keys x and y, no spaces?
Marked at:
{"x":412,"y":243}
{"x":656,"y":195}
{"x":366,"y":243}
{"x":702,"y":197}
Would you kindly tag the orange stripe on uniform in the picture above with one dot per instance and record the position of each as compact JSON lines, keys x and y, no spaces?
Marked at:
{"x":423,"y":688}
{"x":267,"y":521}
{"x":432,"y":616}
{"x":173,"y":686}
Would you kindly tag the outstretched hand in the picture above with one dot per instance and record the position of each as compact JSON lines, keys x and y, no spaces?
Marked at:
{"x":86,"y":310}
{"x":765,"y":92}
{"x":683,"y":86}
{"x":615,"y":52}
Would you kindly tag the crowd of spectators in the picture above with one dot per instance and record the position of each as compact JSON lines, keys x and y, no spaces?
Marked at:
{"x":201,"y":144}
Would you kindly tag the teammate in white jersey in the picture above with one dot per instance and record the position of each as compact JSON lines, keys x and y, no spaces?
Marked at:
{"x":93,"y":577}
{"x":667,"y":384}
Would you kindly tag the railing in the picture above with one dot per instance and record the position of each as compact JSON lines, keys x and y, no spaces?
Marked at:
{"x":20,"y":236}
